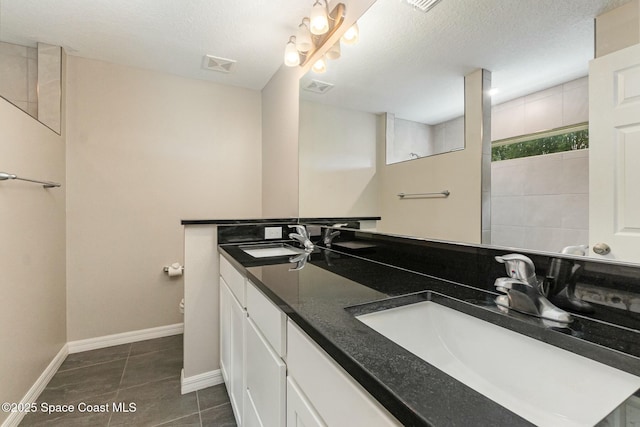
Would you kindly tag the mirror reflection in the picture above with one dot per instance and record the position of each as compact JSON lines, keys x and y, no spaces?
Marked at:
{"x":539,"y":60}
{"x":31,"y":73}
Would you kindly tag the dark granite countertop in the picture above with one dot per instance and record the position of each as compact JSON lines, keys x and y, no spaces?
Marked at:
{"x":323,"y":297}
{"x":319,"y":220}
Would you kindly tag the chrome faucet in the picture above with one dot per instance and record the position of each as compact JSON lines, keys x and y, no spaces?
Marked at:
{"x":523,"y":292}
{"x":329,"y":235}
{"x":302,"y":237}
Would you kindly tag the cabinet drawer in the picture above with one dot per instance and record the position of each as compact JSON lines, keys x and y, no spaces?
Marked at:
{"x":266,"y":379}
{"x":234,"y":280}
{"x":269,"y":319}
{"x":300,"y":412}
{"x":334,"y":394}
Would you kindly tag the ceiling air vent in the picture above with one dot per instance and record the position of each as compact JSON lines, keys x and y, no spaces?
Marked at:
{"x":318,"y":87}
{"x":423,"y":5}
{"x":215,"y":63}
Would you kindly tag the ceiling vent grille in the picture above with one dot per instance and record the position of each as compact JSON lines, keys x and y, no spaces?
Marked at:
{"x":215,"y":63}
{"x":423,"y":5}
{"x":318,"y":87}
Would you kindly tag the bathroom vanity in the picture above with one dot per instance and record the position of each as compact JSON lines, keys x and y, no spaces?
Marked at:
{"x":296,"y":347}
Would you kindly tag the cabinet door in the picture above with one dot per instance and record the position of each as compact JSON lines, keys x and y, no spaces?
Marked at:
{"x":300,"y":412}
{"x":335,"y":395}
{"x":237,"y":355}
{"x":225,"y":331}
{"x":266,"y":376}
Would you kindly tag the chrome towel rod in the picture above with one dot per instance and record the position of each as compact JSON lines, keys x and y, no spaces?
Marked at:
{"x":46,"y":184}
{"x":444,"y":193}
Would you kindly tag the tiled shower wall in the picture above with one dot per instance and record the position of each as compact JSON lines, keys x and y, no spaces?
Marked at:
{"x":562,"y":105}
{"x":541,"y":202}
{"x":423,"y":139}
{"x":19,"y":71}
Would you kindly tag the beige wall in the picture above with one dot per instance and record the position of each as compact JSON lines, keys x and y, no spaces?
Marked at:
{"x":337,"y":162}
{"x":280,"y":186}
{"x":618,"y":28}
{"x":280,"y":145}
{"x":145,"y":150}
{"x":32,"y":232}
{"x":457,"y":217}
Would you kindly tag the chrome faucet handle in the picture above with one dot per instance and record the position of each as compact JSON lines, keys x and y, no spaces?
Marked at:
{"x":301,"y":230}
{"x":519,"y":267}
{"x":329,"y":235}
{"x":506,"y":284}
{"x":302,"y":237}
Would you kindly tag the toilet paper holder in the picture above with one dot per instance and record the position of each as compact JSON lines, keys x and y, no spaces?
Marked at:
{"x":166,"y":268}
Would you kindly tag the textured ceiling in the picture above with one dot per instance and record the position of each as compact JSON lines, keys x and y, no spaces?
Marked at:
{"x":407,"y":62}
{"x":412,"y":64}
{"x":165,"y":35}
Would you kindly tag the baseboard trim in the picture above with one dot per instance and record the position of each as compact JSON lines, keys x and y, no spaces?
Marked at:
{"x":125,"y":338}
{"x":32,"y":395}
{"x":200,"y":381}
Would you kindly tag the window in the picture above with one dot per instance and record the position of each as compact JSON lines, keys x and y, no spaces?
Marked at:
{"x":568,"y":138}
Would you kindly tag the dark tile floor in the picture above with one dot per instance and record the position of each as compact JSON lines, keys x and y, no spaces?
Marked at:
{"x":129,"y":385}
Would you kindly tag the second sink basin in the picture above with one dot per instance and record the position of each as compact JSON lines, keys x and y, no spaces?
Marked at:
{"x":270,"y":250}
{"x":544,"y":384}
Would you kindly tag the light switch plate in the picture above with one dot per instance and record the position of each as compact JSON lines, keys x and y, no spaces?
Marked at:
{"x":273,"y":232}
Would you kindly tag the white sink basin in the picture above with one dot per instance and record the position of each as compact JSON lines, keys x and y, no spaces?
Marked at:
{"x":270,"y":250}
{"x":544,"y":384}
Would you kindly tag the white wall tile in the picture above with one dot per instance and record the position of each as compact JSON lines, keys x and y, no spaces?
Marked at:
{"x":544,"y":239}
{"x":573,"y":84}
{"x":575,"y":154}
{"x":543,"y":113}
{"x":575,"y":175}
{"x":507,"y":210}
{"x":562,"y":105}
{"x":508,"y":236}
{"x":575,"y":211}
{"x":554,"y":91}
{"x":571,"y":237}
{"x":543,"y":175}
{"x":543,"y":211}
{"x":575,"y":105}
{"x":507,"y":122}
{"x":507,"y":181}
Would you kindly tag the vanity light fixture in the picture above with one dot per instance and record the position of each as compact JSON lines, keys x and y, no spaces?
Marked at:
{"x":303,"y":36}
{"x":320,"y":66}
{"x":291,"y":55}
{"x":352,"y":35}
{"x":334,"y":51}
{"x":319,"y":20}
{"x":314,"y":32}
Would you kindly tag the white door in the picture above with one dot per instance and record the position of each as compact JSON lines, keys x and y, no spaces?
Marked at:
{"x":614,"y":155}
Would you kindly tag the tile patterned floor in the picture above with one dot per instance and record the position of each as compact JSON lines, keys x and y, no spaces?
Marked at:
{"x":144,"y":375}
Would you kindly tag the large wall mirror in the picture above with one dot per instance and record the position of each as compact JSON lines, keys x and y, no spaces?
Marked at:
{"x":30,"y":71}
{"x":409,"y":68}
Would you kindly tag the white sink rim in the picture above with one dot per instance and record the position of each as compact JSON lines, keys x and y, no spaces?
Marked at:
{"x":269,"y":250}
{"x":561,"y":403}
